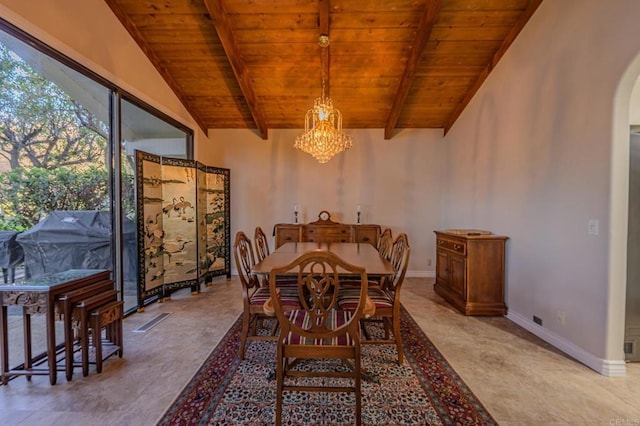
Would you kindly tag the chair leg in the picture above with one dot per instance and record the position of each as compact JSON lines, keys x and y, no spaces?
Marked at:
{"x":385,"y":323}
{"x":358,"y":386}
{"x":246,"y":318}
{"x":97,"y":343}
{"x":398,"y":338}
{"x":280,"y":362}
{"x":84,"y":343}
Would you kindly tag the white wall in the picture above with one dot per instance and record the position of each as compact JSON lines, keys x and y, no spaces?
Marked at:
{"x":395,"y":181}
{"x":530,"y":158}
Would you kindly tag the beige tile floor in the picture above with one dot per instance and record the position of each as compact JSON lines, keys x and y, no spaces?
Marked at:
{"x":520,"y":379}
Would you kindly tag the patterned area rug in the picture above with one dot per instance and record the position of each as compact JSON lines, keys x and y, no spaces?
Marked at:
{"x":424,"y":391}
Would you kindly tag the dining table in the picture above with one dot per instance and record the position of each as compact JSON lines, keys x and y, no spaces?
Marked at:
{"x":361,"y":254}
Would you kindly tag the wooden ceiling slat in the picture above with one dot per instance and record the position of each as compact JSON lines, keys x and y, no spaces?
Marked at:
{"x":458,"y":47}
{"x":485,"y":5}
{"x":165,"y":38}
{"x":271,"y":21}
{"x":470,"y":33}
{"x":375,"y":20}
{"x":256,"y":52}
{"x":486,"y":18}
{"x":190,"y":52}
{"x":172,"y":22}
{"x":351,"y":6}
{"x":154,"y":7}
{"x":306,"y":35}
{"x":468,"y":60}
{"x":271,"y":6}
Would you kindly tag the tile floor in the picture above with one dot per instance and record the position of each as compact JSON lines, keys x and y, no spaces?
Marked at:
{"x":520,"y":379}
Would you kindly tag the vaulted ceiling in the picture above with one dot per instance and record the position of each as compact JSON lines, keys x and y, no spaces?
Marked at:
{"x":392,"y":64}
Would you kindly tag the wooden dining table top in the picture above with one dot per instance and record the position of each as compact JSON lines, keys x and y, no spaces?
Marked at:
{"x":361,"y":254}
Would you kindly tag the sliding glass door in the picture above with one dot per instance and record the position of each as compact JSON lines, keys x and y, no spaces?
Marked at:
{"x":142,"y":131}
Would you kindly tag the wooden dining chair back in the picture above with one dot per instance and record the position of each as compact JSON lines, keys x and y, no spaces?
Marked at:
{"x":386,"y":298}
{"x":262,"y":244}
{"x":384,"y":243}
{"x":318,"y":330}
{"x":254,"y":296}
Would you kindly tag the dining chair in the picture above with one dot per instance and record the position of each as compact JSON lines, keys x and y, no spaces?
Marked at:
{"x":254,"y":296}
{"x":262,"y":244}
{"x":319,"y":330}
{"x":385,"y":241}
{"x":386,"y":298}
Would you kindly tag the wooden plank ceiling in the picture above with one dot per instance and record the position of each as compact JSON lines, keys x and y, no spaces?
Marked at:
{"x":392,"y":64}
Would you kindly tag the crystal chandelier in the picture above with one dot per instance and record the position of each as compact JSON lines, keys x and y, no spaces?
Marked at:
{"x":323,"y":136}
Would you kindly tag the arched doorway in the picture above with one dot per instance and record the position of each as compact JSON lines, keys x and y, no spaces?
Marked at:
{"x":632,"y":309}
{"x":619,"y":211}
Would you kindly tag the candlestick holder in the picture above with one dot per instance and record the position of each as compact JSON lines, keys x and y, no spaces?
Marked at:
{"x":295,"y":217}
{"x":358,"y":218}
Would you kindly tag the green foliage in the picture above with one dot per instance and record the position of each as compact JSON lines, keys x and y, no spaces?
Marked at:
{"x":40,"y":124}
{"x":29,"y":195}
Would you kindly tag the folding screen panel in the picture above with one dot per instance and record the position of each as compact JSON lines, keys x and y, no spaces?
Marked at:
{"x":183,"y":224}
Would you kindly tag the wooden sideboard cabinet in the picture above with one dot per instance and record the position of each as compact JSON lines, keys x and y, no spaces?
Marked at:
{"x":324,"y":230}
{"x":470,"y":271}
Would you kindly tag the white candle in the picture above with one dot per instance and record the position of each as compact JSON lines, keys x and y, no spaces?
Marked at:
{"x":295,"y":207}
{"x":358,"y":208}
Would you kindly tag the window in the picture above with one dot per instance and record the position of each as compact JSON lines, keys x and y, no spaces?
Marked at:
{"x":67,"y":183}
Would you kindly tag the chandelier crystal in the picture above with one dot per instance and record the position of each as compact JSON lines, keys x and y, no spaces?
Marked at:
{"x":323,"y":136}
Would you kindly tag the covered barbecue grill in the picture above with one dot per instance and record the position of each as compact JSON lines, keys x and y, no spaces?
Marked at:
{"x":75,"y":239}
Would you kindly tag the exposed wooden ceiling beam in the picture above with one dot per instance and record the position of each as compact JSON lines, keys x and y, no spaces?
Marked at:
{"x":148,"y":51}
{"x":230,"y":45}
{"x":522,"y":20}
{"x":422,"y":36}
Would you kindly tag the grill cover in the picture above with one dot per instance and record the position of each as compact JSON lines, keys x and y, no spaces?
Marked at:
{"x":75,"y":239}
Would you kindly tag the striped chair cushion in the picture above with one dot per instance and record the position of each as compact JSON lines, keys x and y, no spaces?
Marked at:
{"x":355,"y":283}
{"x":286,"y":282}
{"x":349,"y":296}
{"x":288,"y":297}
{"x":302,"y":320}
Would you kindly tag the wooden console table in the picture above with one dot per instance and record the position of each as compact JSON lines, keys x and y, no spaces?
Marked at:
{"x":324,"y":230}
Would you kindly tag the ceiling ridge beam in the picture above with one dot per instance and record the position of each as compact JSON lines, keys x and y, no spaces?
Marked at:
{"x":515,"y":30}
{"x":153,"y":58}
{"x":423,"y":32}
{"x":230,"y":45}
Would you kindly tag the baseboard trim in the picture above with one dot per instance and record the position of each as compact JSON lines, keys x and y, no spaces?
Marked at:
{"x":606,"y":367}
{"x":421,"y":274}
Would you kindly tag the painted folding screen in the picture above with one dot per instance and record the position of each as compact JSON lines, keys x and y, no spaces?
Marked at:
{"x":183,"y":224}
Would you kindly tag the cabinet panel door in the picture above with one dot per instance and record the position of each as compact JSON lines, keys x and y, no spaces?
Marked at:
{"x":442,"y":267}
{"x":458,"y":270}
